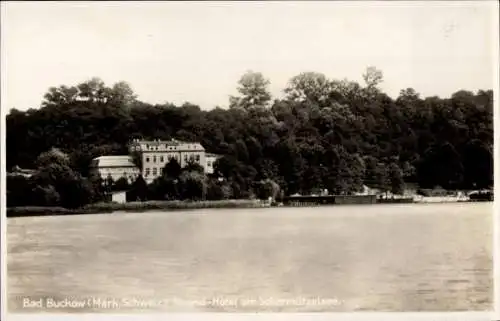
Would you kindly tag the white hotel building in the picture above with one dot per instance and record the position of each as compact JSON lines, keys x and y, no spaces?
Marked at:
{"x":154,"y":155}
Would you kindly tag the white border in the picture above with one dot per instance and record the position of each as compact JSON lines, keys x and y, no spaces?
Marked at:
{"x":3,"y":219}
{"x":472,"y":316}
{"x":453,"y":316}
{"x":496,"y":160}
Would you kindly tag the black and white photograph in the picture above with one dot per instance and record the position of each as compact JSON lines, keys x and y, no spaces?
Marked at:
{"x":248,"y":157}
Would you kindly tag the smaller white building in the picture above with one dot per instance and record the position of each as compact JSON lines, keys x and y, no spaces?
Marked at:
{"x":116,"y":167}
{"x":119,"y":197}
{"x":209,"y":162}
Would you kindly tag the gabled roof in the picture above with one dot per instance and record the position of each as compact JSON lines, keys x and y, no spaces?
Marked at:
{"x":113,"y":161}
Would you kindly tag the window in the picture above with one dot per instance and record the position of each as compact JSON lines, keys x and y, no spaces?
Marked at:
{"x":185,"y":157}
{"x":155,"y":171}
{"x":197,"y":158}
{"x":209,"y":163}
{"x":147,"y":159}
{"x":161,"y":158}
{"x":154,"y":159}
{"x":161,"y":171}
{"x":147,"y":172}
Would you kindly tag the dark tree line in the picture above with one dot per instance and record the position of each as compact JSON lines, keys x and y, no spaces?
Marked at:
{"x":325,"y":134}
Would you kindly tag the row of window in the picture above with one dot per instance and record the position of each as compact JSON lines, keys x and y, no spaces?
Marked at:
{"x":197,"y":158}
{"x":154,"y":171}
{"x":167,"y":147}
{"x":129,"y":176}
{"x":124,"y":174}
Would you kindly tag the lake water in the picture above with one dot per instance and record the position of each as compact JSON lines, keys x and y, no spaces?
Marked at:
{"x":409,"y":257}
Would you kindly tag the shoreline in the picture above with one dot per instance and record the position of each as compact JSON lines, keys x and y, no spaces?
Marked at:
{"x":148,"y":206}
{"x":108,"y":208}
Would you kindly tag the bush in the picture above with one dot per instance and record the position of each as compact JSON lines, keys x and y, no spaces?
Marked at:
{"x":268,"y":188}
{"x":46,"y":196}
{"x":18,"y":190}
{"x":121,"y":184}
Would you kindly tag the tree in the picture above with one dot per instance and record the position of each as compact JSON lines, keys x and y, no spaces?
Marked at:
{"x":408,"y":96}
{"x":18,"y":191}
{"x":93,"y":90}
{"x":440,"y":165}
{"x":218,"y":189}
{"x":138,"y":190}
{"x":74,"y":191}
{"x":267,"y":169}
{"x":172,"y":169}
{"x":193,"y":166}
{"x":60,"y":96}
{"x":137,"y":159}
{"x":121,"y":184}
{"x":254,"y":148}
{"x":312,"y":139}
{"x":193,"y":185}
{"x":373,"y":77}
{"x":291,"y":164}
{"x":45,"y":196}
{"x":121,"y":94}
{"x":241,"y":151}
{"x":98,"y":188}
{"x":382,"y":178}
{"x":53,"y":156}
{"x":253,"y":89}
{"x":268,"y":189}
{"x":396,"y":179}
{"x":309,"y":86}
{"x":478,"y":165}
{"x":56,"y":182}
{"x":226,"y":166}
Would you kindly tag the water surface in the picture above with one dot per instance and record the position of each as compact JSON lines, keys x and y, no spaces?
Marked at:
{"x":409,"y":257}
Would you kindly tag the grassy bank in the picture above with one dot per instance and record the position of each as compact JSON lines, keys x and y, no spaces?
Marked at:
{"x":132,"y":207}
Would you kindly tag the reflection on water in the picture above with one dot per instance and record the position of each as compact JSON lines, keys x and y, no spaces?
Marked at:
{"x":347,"y":258}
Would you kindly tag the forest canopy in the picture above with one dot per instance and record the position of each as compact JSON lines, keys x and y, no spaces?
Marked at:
{"x":324,"y":134}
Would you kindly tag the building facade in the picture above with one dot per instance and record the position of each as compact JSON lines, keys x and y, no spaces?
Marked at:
{"x":116,"y":167}
{"x":119,"y":197}
{"x":155,"y":154}
{"x":209,"y":162}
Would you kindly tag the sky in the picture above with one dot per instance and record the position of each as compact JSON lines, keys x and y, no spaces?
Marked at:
{"x":197,"y":51}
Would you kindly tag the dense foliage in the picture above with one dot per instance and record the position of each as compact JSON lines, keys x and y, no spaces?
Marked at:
{"x":324,"y":134}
